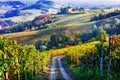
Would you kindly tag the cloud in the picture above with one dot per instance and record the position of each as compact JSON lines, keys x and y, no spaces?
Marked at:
{"x":77,"y":1}
{"x":89,"y":1}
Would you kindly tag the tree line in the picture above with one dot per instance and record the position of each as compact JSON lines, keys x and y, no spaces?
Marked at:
{"x":65,"y":37}
{"x":40,"y":22}
{"x":104,"y":15}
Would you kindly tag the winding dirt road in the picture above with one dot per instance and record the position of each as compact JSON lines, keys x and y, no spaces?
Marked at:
{"x":59,"y":71}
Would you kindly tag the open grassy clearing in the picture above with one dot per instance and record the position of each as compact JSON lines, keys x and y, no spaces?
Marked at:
{"x":41,"y":35}
{"x":24,"y":18}
{"x":70,"y":18}
{"x":98,"y":11}
{"x":20,"y":34}
{"x":111,"y":10}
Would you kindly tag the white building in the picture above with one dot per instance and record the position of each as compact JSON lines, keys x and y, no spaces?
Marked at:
{"x":86,"y":9}
{"x":0,"y":27}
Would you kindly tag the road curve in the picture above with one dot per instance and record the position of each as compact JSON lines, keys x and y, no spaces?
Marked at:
{"x":58,"y":71}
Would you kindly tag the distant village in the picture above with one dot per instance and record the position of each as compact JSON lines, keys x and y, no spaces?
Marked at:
{"x":69,"y":9}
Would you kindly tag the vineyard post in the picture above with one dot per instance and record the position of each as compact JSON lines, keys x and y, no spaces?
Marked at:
{"x":102,"y":36}
{"x":101,"y":59}
{"x":109,"y":53}
{"x":109,"y":57}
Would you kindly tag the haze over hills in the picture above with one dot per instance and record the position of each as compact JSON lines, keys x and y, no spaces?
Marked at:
{"x":23,"y":8}
{"x":19,"y":11}
{"x":43,"y":5}
{"x":98,"y":2}
{"x":59,"y":40}
{"x":83,"y":3}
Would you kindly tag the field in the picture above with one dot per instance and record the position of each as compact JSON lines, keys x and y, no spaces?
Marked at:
{"x":105,"y":10}
{"x":27,"y":17}
{"x":72,"y":22}
{"x":72,"y":18}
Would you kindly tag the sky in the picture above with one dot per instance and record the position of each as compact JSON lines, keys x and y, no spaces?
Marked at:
{"x":77,"y":1}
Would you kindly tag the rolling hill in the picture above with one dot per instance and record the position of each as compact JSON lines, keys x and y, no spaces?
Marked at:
{"x":62,"y":25}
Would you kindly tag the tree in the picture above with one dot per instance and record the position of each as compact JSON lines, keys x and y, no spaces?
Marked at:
{"x":102,"y":37}
{"x":41,"y":45}
{"x":117,"y":21}
{"x":58,"y":41}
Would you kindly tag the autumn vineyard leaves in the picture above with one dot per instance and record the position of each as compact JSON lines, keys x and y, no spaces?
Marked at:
{"x":20,"y":62}
{"x":25,"y":62}
{"x":85,"y":40}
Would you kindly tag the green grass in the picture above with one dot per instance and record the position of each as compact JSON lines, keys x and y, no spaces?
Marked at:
{"x":85,"y":74}
{"x":98,"y":11}
{"x":65,"y":19}
{"x":23,"y":18}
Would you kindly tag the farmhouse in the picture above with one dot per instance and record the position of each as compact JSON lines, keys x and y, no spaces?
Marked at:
{"x":69,"y":9}
{"x":66,"y":10}
{"x":0,"y":27}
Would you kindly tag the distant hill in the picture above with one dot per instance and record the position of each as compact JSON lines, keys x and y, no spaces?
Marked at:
{"x":45,"y":6}
{"x":41,"y":5}
{"x":13,"y":4}
{"x":10,"y":8}
{"x":6,"y":24}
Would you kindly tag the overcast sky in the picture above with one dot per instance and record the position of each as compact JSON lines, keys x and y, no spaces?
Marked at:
{"x":78,"y":1}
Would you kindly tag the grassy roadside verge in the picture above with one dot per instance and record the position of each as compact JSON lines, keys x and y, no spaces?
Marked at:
{"x":79,"y":60}
{"x":81,"y":73}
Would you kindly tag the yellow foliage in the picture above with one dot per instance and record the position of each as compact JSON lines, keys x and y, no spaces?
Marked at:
{"x":57,"y":52}
{"x":1,"y":36}
{"x":76,"y":52}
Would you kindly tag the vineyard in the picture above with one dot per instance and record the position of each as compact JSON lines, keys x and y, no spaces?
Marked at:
{"x":90,"y":47}
{"x":21,"y":62}
{"x":25,"y":62}
{"x":85,"y":60}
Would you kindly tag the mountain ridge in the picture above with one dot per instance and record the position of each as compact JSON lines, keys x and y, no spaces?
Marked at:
{"x":41,"y":4}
